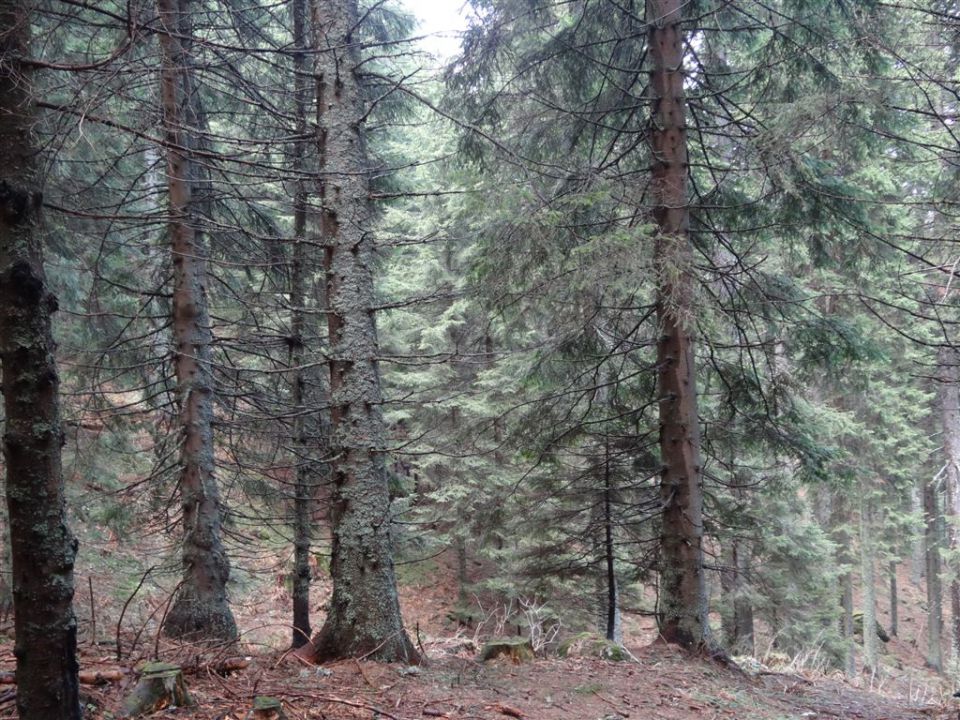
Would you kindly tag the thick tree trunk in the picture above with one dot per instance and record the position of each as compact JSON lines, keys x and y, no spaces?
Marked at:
{"x":43,"y":549}
{"x":934,"y":602}
{"x":6,"y":562}
{"x":683,"y":595}
{"x":200,"y":609}
{"x":364,"y":616}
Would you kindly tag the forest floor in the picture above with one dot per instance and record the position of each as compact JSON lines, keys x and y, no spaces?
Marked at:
{"x":664,"y":684}
{"x":660,"y":683}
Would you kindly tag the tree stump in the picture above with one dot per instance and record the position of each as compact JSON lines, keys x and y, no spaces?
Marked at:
{"x":517,"y":649}
{"x":266,"y":708}
{"x":161,"y":685}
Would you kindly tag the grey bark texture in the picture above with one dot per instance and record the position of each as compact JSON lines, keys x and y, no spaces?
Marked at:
{"x":842,"y":538}
{"x":364,"y":616}
{"x":305,"y":385}
{"x":894,"y":602}
{"x":200,"y":609}
{"x":918,"y":554}
{"x":42,"y":547}
{"x":737,"y":618}
{"x":683,"y":593}
{"x":868,"y":581}
{"x":609,"y":620}
{"x":948,"y":391}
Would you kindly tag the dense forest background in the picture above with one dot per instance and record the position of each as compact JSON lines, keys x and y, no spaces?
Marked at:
{"x":627,"y":312}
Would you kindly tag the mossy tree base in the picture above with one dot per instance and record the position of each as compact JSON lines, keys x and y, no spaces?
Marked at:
{"x":266,"y":708}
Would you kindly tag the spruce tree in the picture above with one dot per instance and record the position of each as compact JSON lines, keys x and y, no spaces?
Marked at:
{"x":42,"y":547}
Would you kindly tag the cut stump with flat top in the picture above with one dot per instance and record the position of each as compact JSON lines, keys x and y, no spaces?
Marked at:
{"x":161,"y":686}
{"x":517,"y":649}
{"x":266,"y":708}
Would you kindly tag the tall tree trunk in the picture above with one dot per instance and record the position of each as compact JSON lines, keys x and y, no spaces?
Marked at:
{"x":6,"y":561}
{"x":683,"y":595}
{"x":738,"y":615}
{"x":305,"y":467}
{"x":894,"y":601}
{"x":841,"y":536}
{"x":742,"y":605}
{"x":463,"y":576}
{"x":200,"y":609}
{"x":608,"y":592}
{"x":364,"y":616}
{"x":918,"y":554}
{"x":949,"y":394}
{"x":934,"y":603}
{"x":739,"y":631}
{"x":868,"y":566}
{"x":43,"y":549}
{"x":846,"y":623}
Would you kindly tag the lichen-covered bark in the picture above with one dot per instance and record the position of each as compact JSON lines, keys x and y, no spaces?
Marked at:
{"x":42,"y":547}
{"x":683,"y":597}
{"x":200,"y":609}
{"x":364,"y":616}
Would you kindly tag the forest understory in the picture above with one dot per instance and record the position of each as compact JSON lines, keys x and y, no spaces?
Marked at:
{"x":659,"y":682}
{"x":608,"y":330}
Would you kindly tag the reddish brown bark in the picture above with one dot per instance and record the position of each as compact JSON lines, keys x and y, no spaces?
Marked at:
{"x":683,"y":603}
{"x":200,"y":609}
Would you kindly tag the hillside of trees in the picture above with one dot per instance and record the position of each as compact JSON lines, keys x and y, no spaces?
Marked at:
{"x":628,"y":333}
